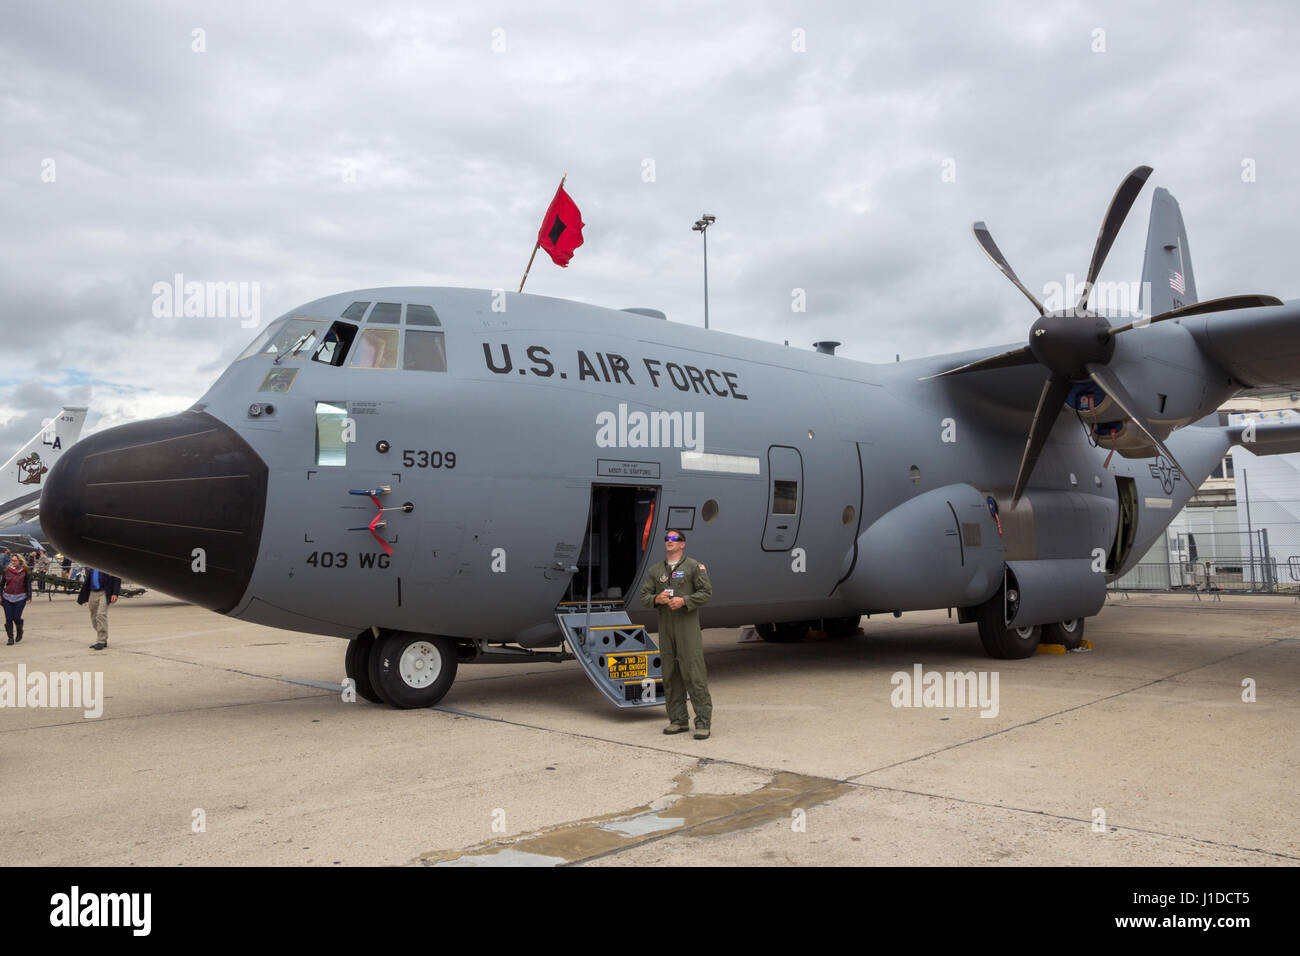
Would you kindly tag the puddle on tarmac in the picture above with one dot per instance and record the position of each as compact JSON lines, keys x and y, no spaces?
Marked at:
{"x":682,"y":810}
{"x":643,"y":823}
{"x":506,"y":857}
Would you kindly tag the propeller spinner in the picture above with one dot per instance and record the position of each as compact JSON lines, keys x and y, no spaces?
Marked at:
{"x":1075,"y":345}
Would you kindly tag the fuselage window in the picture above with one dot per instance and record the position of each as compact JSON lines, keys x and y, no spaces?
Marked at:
{"x":294,"y":338}
{"x":387,"y":313}
{"x":785,"y":497}
{"x":331,"y":420}
{"x":421,"y":315}
{"x":333,"y":349}
{"x":425,"y":351}
{"x":377,"y":348}
{"x":355,"y":311}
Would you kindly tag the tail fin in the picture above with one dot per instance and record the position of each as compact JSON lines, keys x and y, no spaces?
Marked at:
{"x":23,"y":475}
{"x":1167,"y":281}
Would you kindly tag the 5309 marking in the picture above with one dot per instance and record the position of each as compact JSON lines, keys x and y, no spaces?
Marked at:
{"x":428,"y":459}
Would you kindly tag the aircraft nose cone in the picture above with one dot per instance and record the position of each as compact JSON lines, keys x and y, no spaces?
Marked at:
{"x":139,"y":499}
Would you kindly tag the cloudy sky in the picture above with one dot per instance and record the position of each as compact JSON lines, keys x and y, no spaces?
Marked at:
{"x":844,"y":148}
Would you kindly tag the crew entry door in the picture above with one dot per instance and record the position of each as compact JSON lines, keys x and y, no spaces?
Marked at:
{"x":784,"y":497}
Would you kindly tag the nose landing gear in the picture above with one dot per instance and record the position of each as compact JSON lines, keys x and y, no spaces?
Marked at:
{"x":401,"y":669}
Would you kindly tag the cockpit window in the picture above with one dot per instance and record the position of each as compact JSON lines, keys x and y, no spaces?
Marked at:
{"x":333,"y":349}
{"x":355,"y":311}
{"x":294,"y":338}
{"x":425,"y":351}
{"x":377,"y":348}
{"x":389,"y":313}
{"x":421,"y":315}
{"x":259,"y":343}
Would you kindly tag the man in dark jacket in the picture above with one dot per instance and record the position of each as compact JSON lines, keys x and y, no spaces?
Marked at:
{"x":100,"y":590}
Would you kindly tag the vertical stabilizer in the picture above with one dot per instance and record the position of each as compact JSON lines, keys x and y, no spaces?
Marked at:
{"x":1167,"y":281}
{"x":23,"y":475}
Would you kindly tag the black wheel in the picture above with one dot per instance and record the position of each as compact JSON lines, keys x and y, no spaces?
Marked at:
{"x":1068,"y":633}
{"x":357,"y":664}
{"x":841,"y":626}
{"x":1000,"y":641}
{"x":786,"y":632}
{"x":412,"y":670}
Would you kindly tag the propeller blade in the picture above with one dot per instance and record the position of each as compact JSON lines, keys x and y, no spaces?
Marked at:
{"x":985,"y":239}
{"x":1116,"y":212}
{"x":1109,"y":383}
{"x":1224,"y":304}
{"x":1055,"y":389}
{"x":1020,"y":356}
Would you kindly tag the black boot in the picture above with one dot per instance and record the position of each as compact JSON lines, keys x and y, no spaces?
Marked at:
{"x":9,"y":629}
{"x":19,"y":624}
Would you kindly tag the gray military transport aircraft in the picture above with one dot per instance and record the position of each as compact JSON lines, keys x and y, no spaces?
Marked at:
{"x":449,"y":475}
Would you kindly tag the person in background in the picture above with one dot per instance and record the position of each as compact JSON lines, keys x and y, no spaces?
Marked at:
{"x":17,"y":592}
{"x":100,"y":590}
{"x":41,"y":567}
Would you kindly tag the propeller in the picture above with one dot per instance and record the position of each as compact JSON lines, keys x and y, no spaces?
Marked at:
{"x":1076,"y":345}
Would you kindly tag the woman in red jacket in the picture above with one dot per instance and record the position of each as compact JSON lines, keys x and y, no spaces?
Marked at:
{"x":17,"y":592}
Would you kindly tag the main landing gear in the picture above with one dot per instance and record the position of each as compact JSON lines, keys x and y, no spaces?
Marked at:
{"x":400,"y":668}
{"x":1000,"y":641}
{"x":1067,"y":633}
{"x":1012,"y":643}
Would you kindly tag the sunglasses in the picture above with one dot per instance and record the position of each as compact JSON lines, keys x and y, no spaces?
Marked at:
{"x":672,"y":537}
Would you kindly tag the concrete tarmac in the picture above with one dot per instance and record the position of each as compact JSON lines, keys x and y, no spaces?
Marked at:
{"x":229,"y":743}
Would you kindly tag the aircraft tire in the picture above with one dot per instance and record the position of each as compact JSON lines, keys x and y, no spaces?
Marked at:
{"x":357,"y":664}
{"x":1068,"y":633}
{"x":412,"y":670}
{"x":785,"y":632}
{"x":1000,"y":641}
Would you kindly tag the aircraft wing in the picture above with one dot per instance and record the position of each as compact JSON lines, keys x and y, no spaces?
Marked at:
{"x":21,"y":509}
{"x":1012,"y":389}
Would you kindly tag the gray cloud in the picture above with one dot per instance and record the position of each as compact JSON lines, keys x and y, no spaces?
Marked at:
{"x":823,"y":166}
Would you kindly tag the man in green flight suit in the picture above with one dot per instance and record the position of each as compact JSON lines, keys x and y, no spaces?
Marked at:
{"x":678,"y":586}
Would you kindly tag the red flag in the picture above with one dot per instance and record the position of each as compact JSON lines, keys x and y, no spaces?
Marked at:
{"x":561,"y":231}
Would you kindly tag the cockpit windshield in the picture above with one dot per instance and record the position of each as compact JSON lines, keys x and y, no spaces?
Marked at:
{"x":290,"y":339}
{"x":414,"y":345}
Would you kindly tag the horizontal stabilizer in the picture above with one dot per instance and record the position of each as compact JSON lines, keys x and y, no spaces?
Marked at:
{"x":1281,"y":439}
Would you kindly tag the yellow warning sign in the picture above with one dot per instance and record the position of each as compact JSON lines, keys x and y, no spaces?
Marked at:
{"x":627,"y":666}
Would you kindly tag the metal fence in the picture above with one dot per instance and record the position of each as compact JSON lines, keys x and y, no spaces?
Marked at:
{"x":1262,"y":576}
{"x":1236,"y":561}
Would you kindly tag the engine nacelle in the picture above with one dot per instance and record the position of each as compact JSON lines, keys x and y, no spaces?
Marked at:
{"x":1056,"y":590}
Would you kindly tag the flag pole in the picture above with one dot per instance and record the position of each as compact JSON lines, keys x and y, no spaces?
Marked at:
{"x":537,"y":245}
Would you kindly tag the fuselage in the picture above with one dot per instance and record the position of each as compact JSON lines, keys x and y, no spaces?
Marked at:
{"x":497,"y":424}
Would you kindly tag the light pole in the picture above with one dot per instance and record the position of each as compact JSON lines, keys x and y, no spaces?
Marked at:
{"x":701,"y":226}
